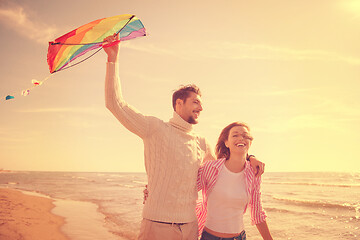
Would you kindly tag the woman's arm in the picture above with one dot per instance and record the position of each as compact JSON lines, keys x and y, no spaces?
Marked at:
{"x":258,"y":215}
{"x":264,"y":230}
{"x":201,"y":178}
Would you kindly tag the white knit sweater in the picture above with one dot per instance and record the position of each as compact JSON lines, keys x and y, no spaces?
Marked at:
{"x":173,"y":153}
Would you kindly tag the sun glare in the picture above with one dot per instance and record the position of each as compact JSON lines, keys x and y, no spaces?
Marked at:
{"x":352,"y":6}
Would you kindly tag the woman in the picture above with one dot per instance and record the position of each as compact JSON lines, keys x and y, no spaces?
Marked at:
{"x":229,"y":186}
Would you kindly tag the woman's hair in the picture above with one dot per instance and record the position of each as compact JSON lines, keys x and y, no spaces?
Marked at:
{"x":221,"y":150}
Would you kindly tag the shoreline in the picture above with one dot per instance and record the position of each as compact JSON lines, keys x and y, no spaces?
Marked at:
{"x":83,"y":221}
{"x":73,"y":220}
{"x":24,"y":216}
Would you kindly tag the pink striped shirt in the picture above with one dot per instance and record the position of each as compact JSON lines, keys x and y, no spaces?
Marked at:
{"x":207,"y":177}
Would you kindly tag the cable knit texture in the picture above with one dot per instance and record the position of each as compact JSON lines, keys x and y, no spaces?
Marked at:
{"x":173,"y":153}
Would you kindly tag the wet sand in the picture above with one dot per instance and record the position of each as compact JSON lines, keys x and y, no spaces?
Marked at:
{"x":28,"y":217}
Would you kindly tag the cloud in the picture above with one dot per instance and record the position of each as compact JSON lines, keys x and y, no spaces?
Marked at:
{"x":238,"y":51}
{"x":333,"y":120}
{"x":71,"y":117}
{"x":148,"y":78}
{"x":308,"y":121}
{"x":337,"y":109}
{"x":266,"y":52}
{"x":12,"y":139}
{"x":285,"y":92}
{"x":18,"y":20}
{"x":10,"y":135}
{"x":153,"y":49}
{"x":63,"y":110}
{"x":299,"y":122}
{"x":323,"y":113}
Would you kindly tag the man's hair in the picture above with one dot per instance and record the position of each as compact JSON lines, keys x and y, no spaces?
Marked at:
{"x":183,"y":93}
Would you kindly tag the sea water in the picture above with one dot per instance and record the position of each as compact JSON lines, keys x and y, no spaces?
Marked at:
{"x":312,"y":206}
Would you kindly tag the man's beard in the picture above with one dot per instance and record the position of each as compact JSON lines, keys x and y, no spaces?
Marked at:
{"x":192,"y":120}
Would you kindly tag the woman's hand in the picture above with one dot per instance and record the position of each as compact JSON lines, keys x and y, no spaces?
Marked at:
{"x":146,"y":194}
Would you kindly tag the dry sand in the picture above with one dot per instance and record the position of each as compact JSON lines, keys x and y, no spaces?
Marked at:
{"x":28,"y":217}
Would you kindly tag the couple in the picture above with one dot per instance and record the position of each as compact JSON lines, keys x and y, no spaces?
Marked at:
{"x":173,"y":154}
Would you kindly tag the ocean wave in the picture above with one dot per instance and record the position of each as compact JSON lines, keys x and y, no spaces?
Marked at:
{"x":322,"y":214}
{"x":315,"y":203}
{"x":85,"y":179}
{"x":279,"y":210}
{"x":126,"y":185}
{"x":140,"y":182}
{"x":315,"y":184}
{"x":12,"y":183}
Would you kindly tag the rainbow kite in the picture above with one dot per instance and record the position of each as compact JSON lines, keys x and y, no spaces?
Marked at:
{"x":75,"y":44}
{"x":78,"y":42}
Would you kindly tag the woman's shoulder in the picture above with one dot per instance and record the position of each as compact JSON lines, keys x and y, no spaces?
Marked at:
{"x":214,"y":163}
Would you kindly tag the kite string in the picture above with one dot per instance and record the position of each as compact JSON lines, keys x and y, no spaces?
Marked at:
{"x":79,"y":62}
{"x":125,"y":24}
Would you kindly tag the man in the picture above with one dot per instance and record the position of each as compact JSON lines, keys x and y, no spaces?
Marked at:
{"x":173,"y":153}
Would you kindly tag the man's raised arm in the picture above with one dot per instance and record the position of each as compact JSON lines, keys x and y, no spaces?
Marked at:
{"x":133,"y":120}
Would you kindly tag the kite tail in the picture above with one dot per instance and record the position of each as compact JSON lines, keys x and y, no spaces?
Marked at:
{"x":35,"y":83}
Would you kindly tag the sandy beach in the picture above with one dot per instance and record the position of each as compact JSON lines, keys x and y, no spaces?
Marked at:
{"x":28,"y":217}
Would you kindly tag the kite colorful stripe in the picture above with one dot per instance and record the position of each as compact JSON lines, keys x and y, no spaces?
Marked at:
{"x":80,"y":41}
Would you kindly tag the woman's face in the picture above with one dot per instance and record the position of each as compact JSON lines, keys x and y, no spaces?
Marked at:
{"x":239,"y":140}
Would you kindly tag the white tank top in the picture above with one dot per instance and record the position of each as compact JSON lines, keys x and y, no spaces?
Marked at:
{"x":226,"y":202}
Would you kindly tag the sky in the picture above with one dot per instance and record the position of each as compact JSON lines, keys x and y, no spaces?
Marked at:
{"x":289,"y":69}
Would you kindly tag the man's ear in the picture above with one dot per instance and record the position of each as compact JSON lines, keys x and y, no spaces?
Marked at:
{"x":179,"y":102}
